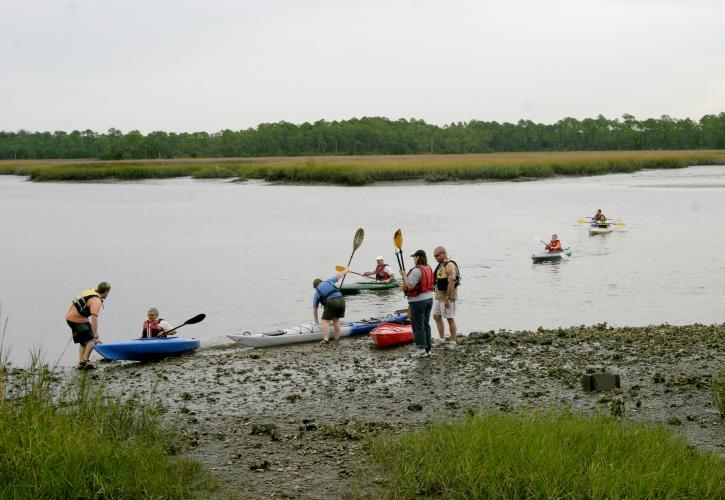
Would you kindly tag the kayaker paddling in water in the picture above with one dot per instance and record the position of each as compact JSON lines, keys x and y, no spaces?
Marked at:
{"x":599,"y":216}
{"x":446,"y":295}
{"x":382,"y":271}
{"x":418,"y":287}
{"x":327,"y":294}
{"x":554,"y":245}
{"x":155,"y":326}
{"x":85,"y":331}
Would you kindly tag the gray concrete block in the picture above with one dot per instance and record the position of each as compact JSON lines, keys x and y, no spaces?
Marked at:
{"x":597,"y":382}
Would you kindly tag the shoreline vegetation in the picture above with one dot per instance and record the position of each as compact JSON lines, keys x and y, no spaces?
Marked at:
{"x":364,"y":170}
{"x":65,"y":437}
{"x":263,"y":422}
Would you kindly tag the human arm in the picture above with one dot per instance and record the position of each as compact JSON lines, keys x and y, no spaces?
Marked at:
{"x":165,"y":327}
{"x":411,"y":280}
{"x":94,"y":305}
{"x":451,"y":289}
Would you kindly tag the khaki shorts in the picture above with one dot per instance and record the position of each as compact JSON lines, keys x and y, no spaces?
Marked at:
{"x":439,"y":309}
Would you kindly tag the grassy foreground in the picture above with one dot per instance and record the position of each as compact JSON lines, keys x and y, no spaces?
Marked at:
{"x":544,"y":455}
{"x":361,"y":170}
{"x":83,"y":445}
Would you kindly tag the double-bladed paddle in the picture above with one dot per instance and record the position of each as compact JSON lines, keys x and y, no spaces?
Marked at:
{"x":196,"y":319}
{"x":339,"y":269}
{"x":356,"y":242}
{"x":398,"y":241}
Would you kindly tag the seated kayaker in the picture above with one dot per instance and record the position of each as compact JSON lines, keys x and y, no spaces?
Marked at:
{"x":554,"y":245}
{"x":155,"y":326}
{"x":599,"y":216}
{"x":382,"y":271}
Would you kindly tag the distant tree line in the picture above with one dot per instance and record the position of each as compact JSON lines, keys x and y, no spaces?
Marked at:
{"x":361,"y":136}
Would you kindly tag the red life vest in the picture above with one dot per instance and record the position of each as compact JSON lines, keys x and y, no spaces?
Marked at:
{"x":151,"y":329}
{"x":425,"y":284}
{"x":380,"y":273}
{"x":554,"y":247}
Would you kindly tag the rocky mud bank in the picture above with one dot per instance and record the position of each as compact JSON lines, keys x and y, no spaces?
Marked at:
{"x":291,"y":422}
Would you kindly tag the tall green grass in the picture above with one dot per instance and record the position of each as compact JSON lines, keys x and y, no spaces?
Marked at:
{"x":361,"y":170}
{"x":546,"y":455}
{"x":718,"y":392}
{"x":56,"y":443}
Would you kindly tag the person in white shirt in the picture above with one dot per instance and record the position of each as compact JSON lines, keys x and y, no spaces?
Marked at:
{"x":382,"y":271}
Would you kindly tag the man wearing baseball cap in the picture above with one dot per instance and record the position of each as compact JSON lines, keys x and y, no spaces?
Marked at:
{"x":382,"y":271}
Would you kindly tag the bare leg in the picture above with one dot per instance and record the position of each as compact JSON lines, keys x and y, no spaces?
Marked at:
{"x":81,"y":351}
{"x":336,"y":324}
{"x":453,"y":328}
{"x":325,"y":329}
{"x":88,"y":349}
{"x":439,"y":324}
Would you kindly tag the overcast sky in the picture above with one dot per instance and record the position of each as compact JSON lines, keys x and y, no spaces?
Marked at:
{"x":182,"y":65}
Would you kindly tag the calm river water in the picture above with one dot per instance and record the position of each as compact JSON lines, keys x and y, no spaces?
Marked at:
{"x":246,"y":253}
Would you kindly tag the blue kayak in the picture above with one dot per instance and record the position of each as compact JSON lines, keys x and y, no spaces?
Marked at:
{"x":146,"y":349}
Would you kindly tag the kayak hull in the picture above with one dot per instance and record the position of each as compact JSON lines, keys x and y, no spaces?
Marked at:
{"x":601,"y":229}
{"x":146,"y":349}
{"x":550,"y":257}
{"x":391,"y":334}
{"x":368,"y":286}
{"x":310,"y":332}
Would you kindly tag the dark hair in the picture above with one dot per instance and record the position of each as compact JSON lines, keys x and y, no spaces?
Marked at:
{"x":422,"y":260}
{"x":103,"y":286}
{"x":316,"y":282}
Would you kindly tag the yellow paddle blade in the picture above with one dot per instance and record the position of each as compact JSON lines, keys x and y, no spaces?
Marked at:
{"x":398,"y":239}
{"x":582,"y":221}
{"x":340,"y":268}
{"x":619,"y":224}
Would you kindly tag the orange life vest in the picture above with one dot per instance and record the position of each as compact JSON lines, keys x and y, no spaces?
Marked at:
{"x":425,"y":284}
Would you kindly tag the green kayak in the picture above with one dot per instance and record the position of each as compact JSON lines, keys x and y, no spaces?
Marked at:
{"x":374,"y":286}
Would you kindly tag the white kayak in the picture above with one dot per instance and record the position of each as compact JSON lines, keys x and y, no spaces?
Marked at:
{"x":545,"y":255}
{"x":601,"y":229}
{"x":310,"y":332}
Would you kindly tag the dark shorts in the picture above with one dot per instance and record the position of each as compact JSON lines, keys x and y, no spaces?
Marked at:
{"x":82,"y":332}
{"x":335,"y":308}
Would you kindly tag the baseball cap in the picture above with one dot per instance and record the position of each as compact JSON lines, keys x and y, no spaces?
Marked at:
{"x":379,"y":257}
{"x":419,"y":253}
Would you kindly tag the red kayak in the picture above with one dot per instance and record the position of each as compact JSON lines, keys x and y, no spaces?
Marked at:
{"x":389,"y":334}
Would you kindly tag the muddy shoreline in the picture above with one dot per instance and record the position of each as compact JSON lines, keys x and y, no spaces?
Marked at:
{"x":291,"y":422}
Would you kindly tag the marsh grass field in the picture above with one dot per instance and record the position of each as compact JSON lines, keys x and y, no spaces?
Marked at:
{"x":363,"y":170}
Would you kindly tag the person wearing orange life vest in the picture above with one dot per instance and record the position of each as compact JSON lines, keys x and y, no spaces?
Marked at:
{"x":382,"y":271}
{"x":154,"y":326}
{"x":418,"y":286}
{"x":84,"y":330}
{"x":554,"y":245}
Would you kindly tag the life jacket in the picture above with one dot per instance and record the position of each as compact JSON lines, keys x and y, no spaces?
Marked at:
{"x":442,"y":281}
{"x":425,"y":284}
{"x":327,"y":291}
{"x":380,"y":273}
{"x":554,"y":247}
{"x":81,"y":301}
{"x":152,"y":328}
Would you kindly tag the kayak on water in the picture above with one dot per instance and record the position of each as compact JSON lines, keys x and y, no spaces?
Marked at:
{"x":544,"y":255}
{"x":390,"y":334}
{"x":374,"y":286}
{"x":310,"y":332}
{"x":601,"y":228}
{"x":146,"y":349}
